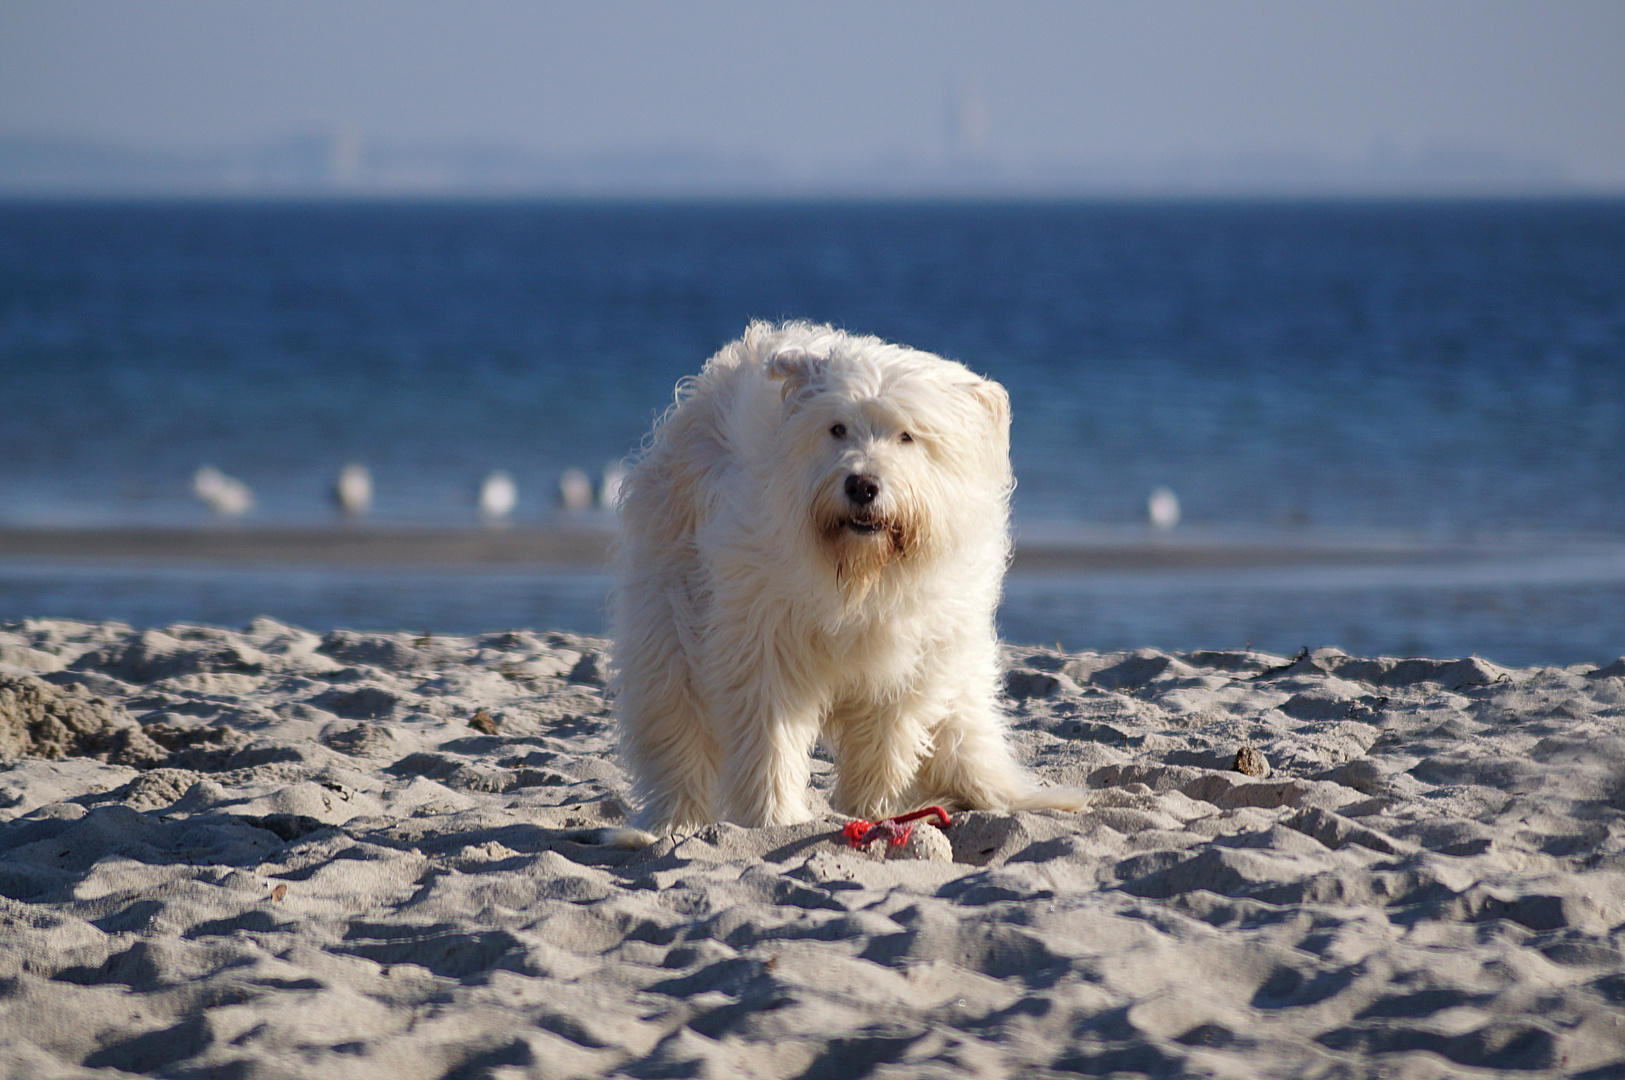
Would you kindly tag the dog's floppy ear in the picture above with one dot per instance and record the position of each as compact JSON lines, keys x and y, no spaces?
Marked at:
{"x":993,"y":398}
{"x":796,"y":368}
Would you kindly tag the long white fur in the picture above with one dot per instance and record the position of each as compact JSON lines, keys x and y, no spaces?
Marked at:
{"x":750,"y":618}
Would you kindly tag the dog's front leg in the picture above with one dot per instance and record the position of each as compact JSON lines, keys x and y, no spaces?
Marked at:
{"x":878,"y":747}
{"x":766,"y":721}
{"x":767,"y":770}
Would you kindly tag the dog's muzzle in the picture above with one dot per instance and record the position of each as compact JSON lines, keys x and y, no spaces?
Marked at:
{"x":861,"y":492}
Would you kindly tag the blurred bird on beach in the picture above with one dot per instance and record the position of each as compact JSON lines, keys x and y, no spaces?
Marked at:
{"x":575,"y":490}
{"x":225,"y":495}
{"x":353,"y":489}
{"x":498,"y":495}
{"x":1163,"y":508}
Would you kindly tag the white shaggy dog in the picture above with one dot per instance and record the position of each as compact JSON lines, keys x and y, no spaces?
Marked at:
{"x":813,"y":544}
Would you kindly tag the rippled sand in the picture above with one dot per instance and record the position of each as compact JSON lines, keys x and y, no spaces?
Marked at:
{"x":272,"y":854}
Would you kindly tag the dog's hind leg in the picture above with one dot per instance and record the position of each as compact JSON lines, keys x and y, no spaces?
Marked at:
{"x":970,"y":765}
{"x":674,"y":759}
{"x":666,"y":740}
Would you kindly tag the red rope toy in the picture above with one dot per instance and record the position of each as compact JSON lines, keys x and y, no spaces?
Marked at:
{"x":896,"y":830}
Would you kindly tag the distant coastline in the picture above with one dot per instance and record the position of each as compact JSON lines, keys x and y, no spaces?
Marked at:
{"x":341,"y":165}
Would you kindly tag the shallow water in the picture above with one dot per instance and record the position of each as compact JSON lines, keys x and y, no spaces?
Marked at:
{"x":1513,"y":614}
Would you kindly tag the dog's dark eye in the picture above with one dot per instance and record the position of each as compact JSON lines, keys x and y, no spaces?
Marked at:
{"x":839,"y":431}
{"x":906,"y":437}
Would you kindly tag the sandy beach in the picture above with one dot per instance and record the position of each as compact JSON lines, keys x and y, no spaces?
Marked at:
{"x":268,"y":853}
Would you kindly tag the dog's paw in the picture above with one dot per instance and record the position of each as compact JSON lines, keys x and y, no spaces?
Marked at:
{"x":630,"y":839}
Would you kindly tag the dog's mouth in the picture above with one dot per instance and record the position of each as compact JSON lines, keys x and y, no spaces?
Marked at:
{"x":864,"y":526}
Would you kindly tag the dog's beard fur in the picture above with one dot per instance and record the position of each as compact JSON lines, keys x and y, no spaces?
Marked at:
{"x":862,"y":541}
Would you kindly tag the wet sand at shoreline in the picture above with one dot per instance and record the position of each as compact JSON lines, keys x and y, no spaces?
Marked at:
{"x":586,"y":545}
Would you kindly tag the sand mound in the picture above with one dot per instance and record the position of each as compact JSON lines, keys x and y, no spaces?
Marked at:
{"x":271,"y":854}
{"x":40,"y":720}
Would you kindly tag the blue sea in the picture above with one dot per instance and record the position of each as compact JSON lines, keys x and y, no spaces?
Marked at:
{"x":1436,"y":371}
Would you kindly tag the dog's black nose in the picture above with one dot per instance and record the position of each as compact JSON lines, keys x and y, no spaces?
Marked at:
{"x":862,"y":489}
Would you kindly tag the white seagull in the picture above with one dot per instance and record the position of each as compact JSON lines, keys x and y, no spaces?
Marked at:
{"x":353,"y":489}
{"x":1163,"y":507}
{"x":225,"y":495}
{"x":575,"y":490}
{"x":497,"y":496}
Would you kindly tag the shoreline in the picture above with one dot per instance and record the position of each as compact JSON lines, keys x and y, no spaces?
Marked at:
{"x":586,"y":546}
{"x":1520,"y":600}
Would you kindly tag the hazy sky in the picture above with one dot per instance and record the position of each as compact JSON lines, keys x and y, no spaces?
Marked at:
{"x":1142,"y":81}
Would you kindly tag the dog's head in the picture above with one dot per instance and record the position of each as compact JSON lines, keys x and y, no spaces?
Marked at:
{"x":902,"y":454}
